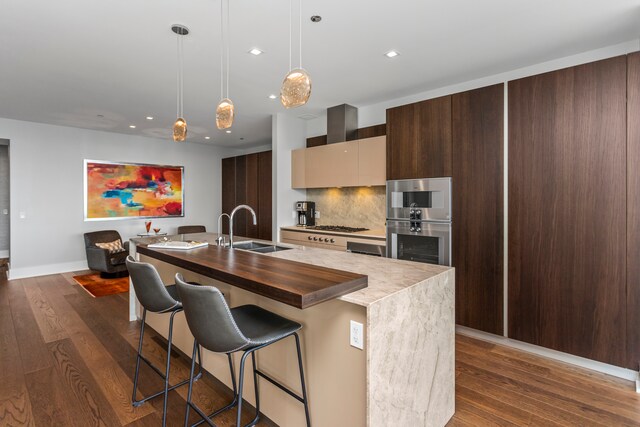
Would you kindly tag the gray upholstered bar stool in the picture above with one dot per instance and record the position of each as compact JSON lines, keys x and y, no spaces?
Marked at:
{"x":247,"y":328}
{"x":155,"y":297}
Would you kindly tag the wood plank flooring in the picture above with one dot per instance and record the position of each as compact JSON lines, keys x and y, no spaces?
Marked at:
{"x":67,"y":359}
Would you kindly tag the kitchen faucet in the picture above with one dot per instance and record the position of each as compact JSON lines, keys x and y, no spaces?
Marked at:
{"x":220,"y":239}
{"x":233,"y":212}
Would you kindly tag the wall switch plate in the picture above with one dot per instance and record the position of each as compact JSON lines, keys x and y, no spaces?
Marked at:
{"x":23,"y":215}
{"x":293,"y":214}
{"x":317,"y":214}
{"x":356,"y":335}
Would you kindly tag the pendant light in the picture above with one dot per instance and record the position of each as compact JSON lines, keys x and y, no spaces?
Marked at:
{"x":296,"y":87}
{"x":225,"y":110}
{"x":180,"y":126}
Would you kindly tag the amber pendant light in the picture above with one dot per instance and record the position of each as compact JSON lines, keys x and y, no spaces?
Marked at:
{"x":225,"y":110}
{"x":180,"y":126}
{"x":296,"y":87}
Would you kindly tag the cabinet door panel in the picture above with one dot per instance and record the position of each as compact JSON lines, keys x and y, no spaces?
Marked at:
{"x":251,"y":194}
{"x":433,"y":156}
{"x":240,"y":218}
{"x":401,"y":142}
{"x":298,"y":168}
{"x":372,"y":160}
{"x":228,"y":189}
{"x":567,"y":210}
{"x":633,"y":210}
{"x":264,"y":196}
{"x":478,"y":207}
{"x":332,"y":165}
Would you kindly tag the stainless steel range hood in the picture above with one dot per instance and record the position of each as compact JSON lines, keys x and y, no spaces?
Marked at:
{"x":342,"y":123}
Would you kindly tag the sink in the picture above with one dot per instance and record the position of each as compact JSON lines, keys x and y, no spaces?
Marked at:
{"x":270,"y":249}
{"x":250,"y":245}
{"x":263,"y":248}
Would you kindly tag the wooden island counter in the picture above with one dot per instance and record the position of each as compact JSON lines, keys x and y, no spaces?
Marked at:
{"x":404,"y":375}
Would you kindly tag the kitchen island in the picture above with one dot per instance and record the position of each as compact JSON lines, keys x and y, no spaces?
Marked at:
{"x":404,"y":375}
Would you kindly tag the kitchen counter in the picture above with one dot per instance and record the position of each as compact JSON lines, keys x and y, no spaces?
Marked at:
{"x":405,"y":372}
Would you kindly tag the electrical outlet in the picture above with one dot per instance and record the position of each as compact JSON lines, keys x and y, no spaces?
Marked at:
{"x":356,"y":335}
{"x":317,"y":214}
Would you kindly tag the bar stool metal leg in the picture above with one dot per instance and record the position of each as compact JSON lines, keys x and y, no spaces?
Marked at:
{"x":305,"y":401}
{"x":206,"y":418}
{"x":165,"y":376}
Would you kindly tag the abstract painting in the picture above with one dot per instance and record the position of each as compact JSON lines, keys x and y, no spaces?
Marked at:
{"x":130,"y":190}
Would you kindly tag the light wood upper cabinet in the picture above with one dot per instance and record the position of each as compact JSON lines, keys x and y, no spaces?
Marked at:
{"x":372,"y":160}
{"x":298,"y":169}
{"x":345,"y":164}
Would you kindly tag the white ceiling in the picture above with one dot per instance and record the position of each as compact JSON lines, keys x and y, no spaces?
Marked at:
{"x":65,"y":62}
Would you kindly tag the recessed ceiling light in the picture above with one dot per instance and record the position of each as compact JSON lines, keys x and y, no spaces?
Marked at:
{"x":272,"y":96}
{"x":255,"y":51}
{"x":207,"y":137}
{"x":392,"y":54}
{"x":228,"y":131}
{"x":132,"y":126}
{"x":149,"y":118}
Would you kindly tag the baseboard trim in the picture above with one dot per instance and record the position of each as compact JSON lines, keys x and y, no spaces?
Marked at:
{"x":43,"y":270}
{"x":594,"y":365}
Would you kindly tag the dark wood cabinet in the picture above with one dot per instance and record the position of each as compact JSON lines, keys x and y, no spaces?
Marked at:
{"x":419,"y":139}
{"x":247,"y":180}
{"x":265,"y":201}
{"x":568,"y":210}
{"x":633,"y":210}
{"x":478,"y":207}
{"x":228,"y":189}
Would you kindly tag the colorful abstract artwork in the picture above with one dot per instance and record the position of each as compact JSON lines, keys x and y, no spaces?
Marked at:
{"x":128,"y":190}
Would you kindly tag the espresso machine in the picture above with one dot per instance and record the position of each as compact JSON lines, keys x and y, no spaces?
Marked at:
{"x":306,"y":214}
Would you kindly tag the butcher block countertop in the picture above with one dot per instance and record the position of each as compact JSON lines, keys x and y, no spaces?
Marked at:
{"x":297,"y":284}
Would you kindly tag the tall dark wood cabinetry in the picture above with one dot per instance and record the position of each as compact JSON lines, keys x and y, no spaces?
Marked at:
{"x":568,"y":211}
{"x":419,"y":139}
{"x":633,"y":210}
{"x":478,"y":207}
{"x":247,"y":180}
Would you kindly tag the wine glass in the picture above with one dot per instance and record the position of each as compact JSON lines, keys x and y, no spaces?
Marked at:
{"x":157,"y":230}
{"x":147,"y":224}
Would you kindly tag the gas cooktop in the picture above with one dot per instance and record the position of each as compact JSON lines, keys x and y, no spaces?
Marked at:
{"x":340,"y":228}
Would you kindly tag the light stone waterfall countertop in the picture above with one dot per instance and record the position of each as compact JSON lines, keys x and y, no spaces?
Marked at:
{"x":386,"y":276}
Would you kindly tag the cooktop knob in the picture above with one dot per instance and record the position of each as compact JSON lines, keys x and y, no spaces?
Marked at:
{"x":333,"y":240}
{"x":309,"y":237}
{"x":315,"y":239}
{"x":326,"y":240}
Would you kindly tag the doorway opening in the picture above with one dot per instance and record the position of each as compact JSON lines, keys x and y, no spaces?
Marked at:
{"x":4,"y":207}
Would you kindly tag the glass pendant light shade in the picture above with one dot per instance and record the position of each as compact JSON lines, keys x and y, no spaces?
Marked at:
{"x":180,"y":130}
{"x":224,"y":114}
{"x":296,"y":88}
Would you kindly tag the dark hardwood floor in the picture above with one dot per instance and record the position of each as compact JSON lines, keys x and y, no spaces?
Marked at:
{"x":66,"y":359}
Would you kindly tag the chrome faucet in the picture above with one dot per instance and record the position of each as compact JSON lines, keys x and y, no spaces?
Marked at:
{"x":220,"y":239}
{"x":233,"y":212}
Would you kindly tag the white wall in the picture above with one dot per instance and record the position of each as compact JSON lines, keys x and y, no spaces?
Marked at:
{"x":47,"y":167}
{"x":374,"y":114}
{"x":4,"y":198}
{"x":288,"y":133}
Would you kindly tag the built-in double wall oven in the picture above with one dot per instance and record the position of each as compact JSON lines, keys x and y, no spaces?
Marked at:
{"x":419,"y":220}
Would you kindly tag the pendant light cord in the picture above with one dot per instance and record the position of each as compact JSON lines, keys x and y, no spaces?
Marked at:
{"x":221,"y":51}
{"x":300,"y":43}
{"x":180,"y":79}
{"x":290,"y":25}
{"x":228,"y":43}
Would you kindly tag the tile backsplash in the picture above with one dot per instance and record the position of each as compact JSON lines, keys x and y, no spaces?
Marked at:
{"x":350,"y":206}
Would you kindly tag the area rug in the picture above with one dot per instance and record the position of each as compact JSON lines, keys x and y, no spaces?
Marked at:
{"x":99,"y":287}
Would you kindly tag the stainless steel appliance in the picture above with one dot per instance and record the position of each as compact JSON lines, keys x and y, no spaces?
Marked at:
{"x":366,"y":248}
{"x":419,"y":220}
{"x":306,"y":214}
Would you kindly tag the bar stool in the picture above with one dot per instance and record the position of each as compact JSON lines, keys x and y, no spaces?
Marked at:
{"x":155,"y":297}
{"x":247,"y":328}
